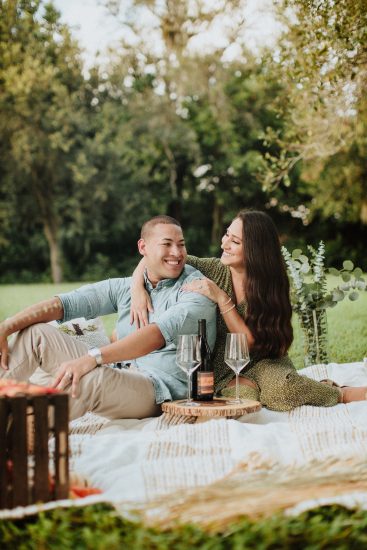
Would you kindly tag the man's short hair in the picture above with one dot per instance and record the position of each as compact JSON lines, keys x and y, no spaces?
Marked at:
{"x":148,"y":225}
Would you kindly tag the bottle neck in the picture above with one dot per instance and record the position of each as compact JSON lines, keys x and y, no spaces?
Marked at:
{"x":202,"y":327}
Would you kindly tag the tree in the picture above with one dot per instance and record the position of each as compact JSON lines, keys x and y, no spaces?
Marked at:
{"x":41,"y":117}
{"x":322,"y":62}
{"x":194,"y":110}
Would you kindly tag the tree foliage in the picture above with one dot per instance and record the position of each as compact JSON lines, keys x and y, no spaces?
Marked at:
{"x":174,"y":125}
{"x":204,"y":112}
{"x":43,"y":122}
{"x":322,"y":62}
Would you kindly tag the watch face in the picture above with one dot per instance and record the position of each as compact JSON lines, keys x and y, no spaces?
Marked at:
{"x":96,"y":353}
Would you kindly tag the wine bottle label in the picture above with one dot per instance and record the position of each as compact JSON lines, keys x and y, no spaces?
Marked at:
{"x":205,"y":383}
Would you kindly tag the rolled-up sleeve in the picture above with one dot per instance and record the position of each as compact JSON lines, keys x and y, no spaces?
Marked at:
{"x":92,"y":300}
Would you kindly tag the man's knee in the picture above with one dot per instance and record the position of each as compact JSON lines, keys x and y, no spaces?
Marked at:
{"x":37,"y":340}
{"x":29,"y":333}
{"x":36,"y":329}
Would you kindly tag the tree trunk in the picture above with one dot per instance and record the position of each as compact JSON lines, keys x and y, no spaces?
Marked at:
{"x":51,"y":235}
{"x":363,"y":213}
{"x":217,"y":226}
{"x":176,"y":182}
{"x":50,"y":226}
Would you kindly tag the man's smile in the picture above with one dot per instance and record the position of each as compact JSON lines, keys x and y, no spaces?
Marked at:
{"x":173,"y":262}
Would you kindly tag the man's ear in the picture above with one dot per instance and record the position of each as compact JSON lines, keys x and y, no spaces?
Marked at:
{"x":142,"y":247}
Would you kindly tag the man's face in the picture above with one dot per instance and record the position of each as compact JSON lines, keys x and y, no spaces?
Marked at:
{"x":164,"y":251}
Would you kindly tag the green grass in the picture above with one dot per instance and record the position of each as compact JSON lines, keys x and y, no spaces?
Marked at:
{"x":347,"y":330}
{"x":13,"y":298}
{"x":99,"y":527}
{"x":347,"y":322}
{"x":347,"y":333}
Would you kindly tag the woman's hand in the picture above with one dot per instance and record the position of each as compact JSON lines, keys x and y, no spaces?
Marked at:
{"x":140,"y":307}
{"x":70,"y":372}
{"x":208,"y":288}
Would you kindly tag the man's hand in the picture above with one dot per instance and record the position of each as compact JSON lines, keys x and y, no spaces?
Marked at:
{"x":70,"y":372}
{"x":4,"y":350}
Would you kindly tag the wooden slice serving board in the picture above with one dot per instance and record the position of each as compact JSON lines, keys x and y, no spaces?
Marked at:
{"x":218,"y":407}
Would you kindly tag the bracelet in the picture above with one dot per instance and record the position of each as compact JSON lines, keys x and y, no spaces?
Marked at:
{"x":227,"y":302}
{"x":227,"y":310}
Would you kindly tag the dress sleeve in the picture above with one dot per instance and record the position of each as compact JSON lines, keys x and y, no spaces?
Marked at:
{"x":207,"y":266}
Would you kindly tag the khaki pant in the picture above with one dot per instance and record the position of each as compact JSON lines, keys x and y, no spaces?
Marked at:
{"x":106,"y":391}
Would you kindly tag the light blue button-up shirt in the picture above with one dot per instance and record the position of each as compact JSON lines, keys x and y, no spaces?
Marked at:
{"x":175,"y":312}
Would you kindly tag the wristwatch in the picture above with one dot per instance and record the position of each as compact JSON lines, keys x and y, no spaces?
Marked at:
{"x":96,"y":353}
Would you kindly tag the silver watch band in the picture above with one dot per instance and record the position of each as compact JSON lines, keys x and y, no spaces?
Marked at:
{"x":96,"y":353}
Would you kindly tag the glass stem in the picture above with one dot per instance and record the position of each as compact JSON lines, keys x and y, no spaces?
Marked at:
{"x":189,"y":388}
{"x":237,"y":388}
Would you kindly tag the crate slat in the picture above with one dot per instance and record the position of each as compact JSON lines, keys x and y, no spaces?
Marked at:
{"x":61,"y":446}
{"x":41,"y":470}
{"x":26,"y":422}
{"x":3,"y":453}
{"x":18,"y":451}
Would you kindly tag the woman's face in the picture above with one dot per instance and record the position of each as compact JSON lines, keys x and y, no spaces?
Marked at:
{"x":232,"y":245}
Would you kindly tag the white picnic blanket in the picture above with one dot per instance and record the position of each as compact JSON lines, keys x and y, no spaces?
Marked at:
{"x":136,"y":463}
{"x":164,"y":466}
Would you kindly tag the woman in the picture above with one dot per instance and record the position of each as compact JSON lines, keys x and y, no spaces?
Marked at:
{"x":250,"y":285}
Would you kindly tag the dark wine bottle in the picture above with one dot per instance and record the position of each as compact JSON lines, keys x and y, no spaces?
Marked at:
{"x":205,"y":375}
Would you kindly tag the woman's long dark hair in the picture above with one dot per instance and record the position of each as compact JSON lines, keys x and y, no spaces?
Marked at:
{"x":266,"y":286}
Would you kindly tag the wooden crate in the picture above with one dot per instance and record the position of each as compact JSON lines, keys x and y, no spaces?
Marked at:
{"x":28,"y":472}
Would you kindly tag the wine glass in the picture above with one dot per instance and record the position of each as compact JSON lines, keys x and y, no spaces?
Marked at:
{"x":237,"y":356}
{"x":188,"y":359}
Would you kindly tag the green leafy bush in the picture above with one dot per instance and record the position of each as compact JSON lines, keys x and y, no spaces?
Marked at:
{"x":310,"y":295}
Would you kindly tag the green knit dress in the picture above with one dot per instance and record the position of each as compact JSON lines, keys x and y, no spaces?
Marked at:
{"x":279,"y":386}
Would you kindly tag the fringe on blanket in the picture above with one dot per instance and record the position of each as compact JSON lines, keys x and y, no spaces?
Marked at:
{"x":260,"y":494}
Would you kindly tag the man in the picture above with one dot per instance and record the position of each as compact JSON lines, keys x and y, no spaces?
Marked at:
{"x":111,"y":392}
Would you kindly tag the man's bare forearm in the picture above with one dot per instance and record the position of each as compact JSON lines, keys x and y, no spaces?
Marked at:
{"x":42,"y":312}
{"x":140,"y":342}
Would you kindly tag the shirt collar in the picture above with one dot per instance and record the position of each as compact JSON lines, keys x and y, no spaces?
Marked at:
{"x":164,"y":283}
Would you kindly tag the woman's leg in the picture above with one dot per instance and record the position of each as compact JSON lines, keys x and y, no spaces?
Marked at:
{"x":247,"y":389}
{"x":245,"y":392}
{"x":350,"y":394}
{"x":283,"y":389}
